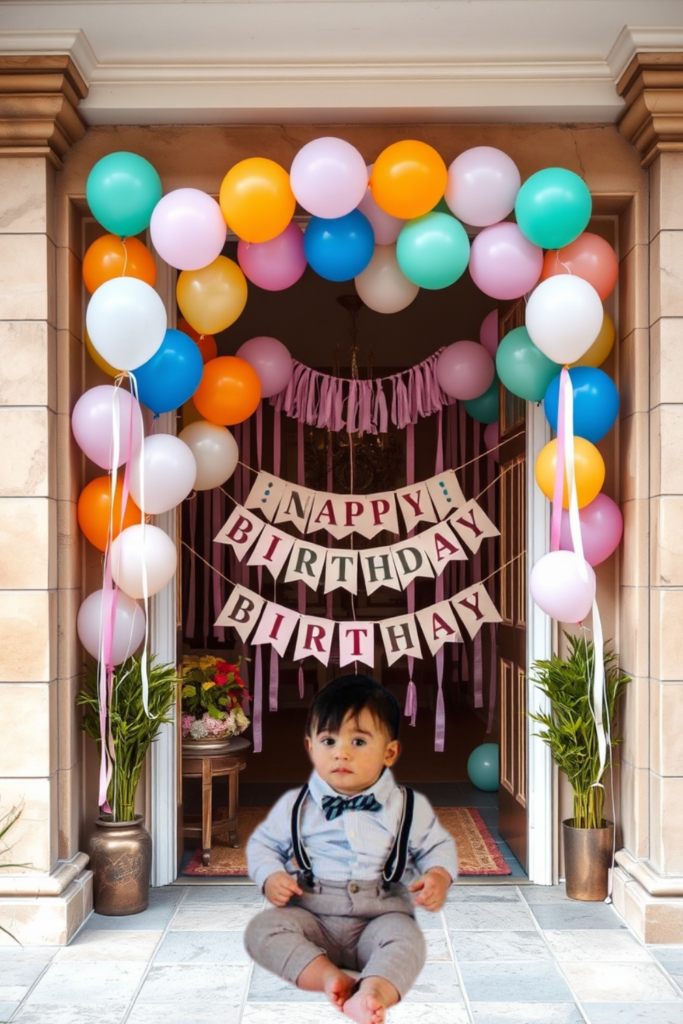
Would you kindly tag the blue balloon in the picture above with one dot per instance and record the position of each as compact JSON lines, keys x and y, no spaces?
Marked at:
{"x":172,"y":375}
{"x":482,"y":767}
{"x":596,"y":402}
{"x":339,"y":249}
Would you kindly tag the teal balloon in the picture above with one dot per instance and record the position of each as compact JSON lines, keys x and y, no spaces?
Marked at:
{"x":483,"y":768}
{"x":433,"y":251}
{"x":523,"y":368}
{"x":553,"y":207}
{"x":122,"y":190}
{"x":485,"y":408}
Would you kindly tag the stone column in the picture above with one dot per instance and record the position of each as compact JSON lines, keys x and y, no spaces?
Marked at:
{"x":649,"y":881}
{"x":48,"y":897}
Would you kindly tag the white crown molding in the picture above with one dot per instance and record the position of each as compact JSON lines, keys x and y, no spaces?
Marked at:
{"x":51,"y":42}
{"x":635,"y":39}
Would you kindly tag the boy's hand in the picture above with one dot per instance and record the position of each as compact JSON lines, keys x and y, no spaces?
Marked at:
{"x":280,"y":887}
{"x":432,"y":888}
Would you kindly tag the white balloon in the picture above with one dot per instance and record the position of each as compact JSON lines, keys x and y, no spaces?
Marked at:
{"x":138,"y":549}
{"x":563,"y":586}
{"x":482,"y":186}
{"x":382,"y":285}
{"x":386,"y":228}
{"x":563,"y":317}
{"x":129,"y":624}
{"x":126,"y":321}
{"x":169,"y":472}
{"x":215,"y":451}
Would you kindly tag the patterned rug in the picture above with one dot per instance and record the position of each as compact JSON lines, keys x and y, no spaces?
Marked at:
{"x":477,"y":850}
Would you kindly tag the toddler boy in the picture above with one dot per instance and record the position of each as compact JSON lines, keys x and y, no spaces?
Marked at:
{"x":354,"y":834}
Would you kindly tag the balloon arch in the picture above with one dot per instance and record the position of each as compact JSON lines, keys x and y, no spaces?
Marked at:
{"x":395,"y":227}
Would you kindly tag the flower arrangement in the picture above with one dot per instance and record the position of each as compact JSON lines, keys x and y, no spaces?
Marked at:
{"x":211,"y":696}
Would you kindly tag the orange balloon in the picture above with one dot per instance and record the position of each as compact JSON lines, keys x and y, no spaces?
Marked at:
{"x":408,"y":179}
{"x":589,"y":257}
{"x":111,"y":256}
{"x":229,"y":392}
{"x":97,"y":358}
{"x":257,"y":199}
{"x":206,"y":343}
{"x":212,"y":298}
{"x":589,"y":470}
{"x":94,"y":506}
{"x":601,"y":347}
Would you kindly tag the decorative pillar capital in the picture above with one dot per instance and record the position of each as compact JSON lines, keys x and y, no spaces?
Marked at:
{"x":39,"y":99}
{"x":652,"y":87}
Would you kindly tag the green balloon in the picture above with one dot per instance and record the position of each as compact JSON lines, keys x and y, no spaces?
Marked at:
{"x":433,"y":251}
{"x":122,"y":191}
{"x":484,"y":408}
{"x":523,"y":368}
{"x":442,"y":207}
{"x":553,"y":207}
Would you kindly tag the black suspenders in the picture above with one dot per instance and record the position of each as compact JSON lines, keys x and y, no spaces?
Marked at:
{"x":396,"y":861}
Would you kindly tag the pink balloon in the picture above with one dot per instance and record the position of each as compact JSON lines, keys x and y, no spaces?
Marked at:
{"x":503,"y":263}
{"x":92,"y":422}
{"x":465,"y":370}
{"x":276,"y":264}
{"x":386,"y":228}
{"x":188,"y":229}
{"x":482,"y":186}
{"x":129,"y":624}
{"x":602,"y":526}
{"x":563,"y":586}
{"x":272,"y":362}
{"x":329,"y":177}
{"x":491,"y":440}
{"x":488,"y":333}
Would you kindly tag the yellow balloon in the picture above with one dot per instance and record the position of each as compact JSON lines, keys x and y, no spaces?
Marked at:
{"x":589,"y":469}
{"x":212,"y":298}
{"x":601,"y":347}
{"x":257,"y":199}
{"x":97,"y":358}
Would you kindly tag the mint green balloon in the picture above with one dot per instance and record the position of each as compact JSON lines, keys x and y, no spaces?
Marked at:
{"x":553,"y":207}
{"x":523,"y":368}
{"x":122,"y":190}
{"x":433,"y":251}
{"x":485,"y":408}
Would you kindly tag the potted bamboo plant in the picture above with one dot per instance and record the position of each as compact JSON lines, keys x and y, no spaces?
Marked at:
{"x":570,"y":731}
{"x":121,"y":848}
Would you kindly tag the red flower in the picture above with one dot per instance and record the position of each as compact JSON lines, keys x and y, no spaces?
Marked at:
{"x":220,"y":679}
{"x":222,"y":666}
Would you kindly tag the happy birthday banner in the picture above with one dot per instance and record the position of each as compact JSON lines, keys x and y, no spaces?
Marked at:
{"x":276,"y":625}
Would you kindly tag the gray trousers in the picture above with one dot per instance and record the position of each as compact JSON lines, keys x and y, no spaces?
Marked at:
{"x":357,"y":925}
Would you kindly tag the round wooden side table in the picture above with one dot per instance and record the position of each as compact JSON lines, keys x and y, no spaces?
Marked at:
{"x":207,"y":761}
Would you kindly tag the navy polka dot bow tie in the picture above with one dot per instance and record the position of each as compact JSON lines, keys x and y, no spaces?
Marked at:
{"x":333,"y":806}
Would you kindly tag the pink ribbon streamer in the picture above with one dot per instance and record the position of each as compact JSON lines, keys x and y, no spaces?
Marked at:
{"x":411,"y":695}
{"x":274,"y":671}
{"x":440,"y":723}
{"x":192,"y":585}
{"x":301,"y":587}
{"x":558,"y":490}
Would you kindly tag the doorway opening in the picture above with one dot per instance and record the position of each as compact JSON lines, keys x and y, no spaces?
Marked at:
{"x":324,"y":327}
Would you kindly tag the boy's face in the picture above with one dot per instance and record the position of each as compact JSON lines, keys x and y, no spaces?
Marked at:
{"x":352,"y":759}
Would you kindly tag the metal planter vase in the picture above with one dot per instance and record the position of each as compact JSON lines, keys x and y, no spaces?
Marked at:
{"x":587,"y":860}
{"x":121,"y":861}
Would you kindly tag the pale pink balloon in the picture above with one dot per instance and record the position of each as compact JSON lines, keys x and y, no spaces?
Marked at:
{"x":328,"y":177}
{"x":188,"y":229}
{"x":602,"y":526}
{"x":563,"y":586}
{"x":386,"y":228}
{"x":465,"y":370}
{"x":492,"y":440}
{"x":503,"y":263}
{"x":482,"y":186}
{"x":92,"y":422}
{"x":277,"y":264}
{"x":488,"y":333}
{"x":129,"y":624}
{"x":272,"y":362}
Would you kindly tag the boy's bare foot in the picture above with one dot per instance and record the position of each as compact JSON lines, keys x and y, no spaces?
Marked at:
{"x":366,"y":1007}
{"x":338,"y":988}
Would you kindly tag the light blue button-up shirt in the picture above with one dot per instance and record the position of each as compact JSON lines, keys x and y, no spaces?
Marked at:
{"x":357,"y":843}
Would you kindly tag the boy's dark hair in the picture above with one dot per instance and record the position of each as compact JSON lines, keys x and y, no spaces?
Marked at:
{"x":350,"y":694}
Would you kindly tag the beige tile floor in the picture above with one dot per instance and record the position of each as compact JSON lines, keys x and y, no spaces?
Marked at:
{"x":497,"y":954}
